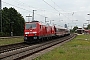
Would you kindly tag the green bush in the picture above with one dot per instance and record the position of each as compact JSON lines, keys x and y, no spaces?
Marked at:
{"x":2,"y":34}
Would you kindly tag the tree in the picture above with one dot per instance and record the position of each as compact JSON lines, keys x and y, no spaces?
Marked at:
{"x":74,"y":29}
{"x":88,"y":26}
{"x":5,"y":21}
{"x":18,"y":21}
{"x":12,"y":21}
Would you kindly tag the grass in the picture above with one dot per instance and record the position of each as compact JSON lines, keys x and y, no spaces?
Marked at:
{"x":11,"y":41}
{"x":77,"y":49}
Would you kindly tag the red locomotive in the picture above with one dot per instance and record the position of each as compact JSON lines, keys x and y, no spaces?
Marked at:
{"x":35,"y":31}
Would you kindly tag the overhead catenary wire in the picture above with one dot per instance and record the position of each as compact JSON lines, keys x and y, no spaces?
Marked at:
{"x":15,"y":6}
{"x":43,"y":10}
{"x":57,"y":5}
{"x":55,"y":8}
{"x":21,"y":3}
{"x":24,"y":9}
{"x":50,"y":5}
{"x":21,"y":8}
{"x":30,"y":7}
{"x":60,"y":8}
{"x":33,"y":7}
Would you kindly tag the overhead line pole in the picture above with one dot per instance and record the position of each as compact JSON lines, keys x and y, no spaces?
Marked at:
{"x":1,"y":14}
{"x":45,"y":19}
{"x":33,"y":15}
{"x":88,"y":20}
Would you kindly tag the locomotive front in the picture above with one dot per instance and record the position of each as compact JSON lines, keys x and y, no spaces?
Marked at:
{"x":30,"y":32}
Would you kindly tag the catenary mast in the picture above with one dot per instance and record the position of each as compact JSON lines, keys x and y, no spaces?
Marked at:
{"x":1,"y":14}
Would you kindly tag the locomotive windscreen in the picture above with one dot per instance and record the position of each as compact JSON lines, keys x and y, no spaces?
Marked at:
{"x":30,"y":25}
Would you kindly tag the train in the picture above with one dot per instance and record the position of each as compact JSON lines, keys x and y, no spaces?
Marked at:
{"x":36,"y":31}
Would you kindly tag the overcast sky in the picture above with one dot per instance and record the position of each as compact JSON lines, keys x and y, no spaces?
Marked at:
{"x":67,"y":10}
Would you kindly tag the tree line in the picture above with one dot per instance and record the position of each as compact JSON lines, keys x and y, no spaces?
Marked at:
{"x":12,"y":21}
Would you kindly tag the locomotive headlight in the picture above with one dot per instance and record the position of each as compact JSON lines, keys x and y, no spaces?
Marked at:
{"x":26,"y":32}
{"x":34,"y":32}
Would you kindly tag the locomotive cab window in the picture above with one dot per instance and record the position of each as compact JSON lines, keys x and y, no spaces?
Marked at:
{"x":30,"y":25}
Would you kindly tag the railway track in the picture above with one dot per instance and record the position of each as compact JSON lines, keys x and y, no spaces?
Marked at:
{"x":12,"y":47}
{"x":16,"y":53}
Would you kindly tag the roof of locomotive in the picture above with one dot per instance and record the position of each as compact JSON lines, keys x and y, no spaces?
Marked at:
{"x":46,"y":24}
{"x":36,"y":22}
{"x":31,"y":21}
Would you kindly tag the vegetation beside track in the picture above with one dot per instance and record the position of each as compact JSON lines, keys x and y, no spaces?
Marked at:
{"x":11,"y":41}
{"x":77,"y":49}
